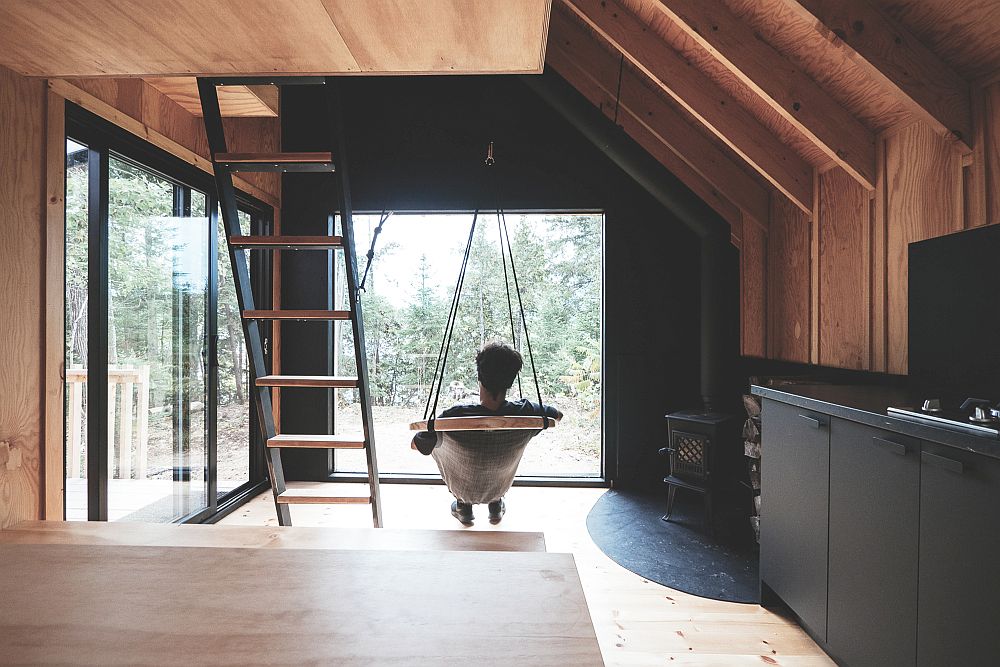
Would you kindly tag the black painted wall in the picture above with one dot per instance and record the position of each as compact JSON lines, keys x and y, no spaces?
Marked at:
{"x":418,"y":143}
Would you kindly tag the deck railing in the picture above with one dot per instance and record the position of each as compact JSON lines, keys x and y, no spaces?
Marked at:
{"x":128,"y":407}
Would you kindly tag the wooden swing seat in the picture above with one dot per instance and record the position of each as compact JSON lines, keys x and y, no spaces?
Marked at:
{"x":485,"y":423}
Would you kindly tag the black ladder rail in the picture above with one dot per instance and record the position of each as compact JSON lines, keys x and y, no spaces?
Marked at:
{"x":225,"y":165}
{"x":241,"y":273}
{"x":357,"y":321}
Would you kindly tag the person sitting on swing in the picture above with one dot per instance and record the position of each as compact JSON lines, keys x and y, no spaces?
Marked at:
{"x":497,"y":365}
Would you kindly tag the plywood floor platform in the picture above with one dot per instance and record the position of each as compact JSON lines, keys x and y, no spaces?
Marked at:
{"x":266,"y":537}
{"x":638,"y":622}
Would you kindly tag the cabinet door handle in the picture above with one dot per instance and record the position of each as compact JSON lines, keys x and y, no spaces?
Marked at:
{"x":813,"y":421}
{"x":942,"y":462}
{"x":894,"y":447}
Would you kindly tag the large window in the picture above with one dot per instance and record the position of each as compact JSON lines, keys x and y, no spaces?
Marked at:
{"x":406,"y":301}
{"x":159,"y":424}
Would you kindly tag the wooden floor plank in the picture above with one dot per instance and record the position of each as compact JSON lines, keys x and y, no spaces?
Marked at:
{"x":266,"y":537}
{"x":637,"y":621}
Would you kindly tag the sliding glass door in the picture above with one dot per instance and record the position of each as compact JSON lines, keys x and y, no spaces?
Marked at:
{"x":151,"y":393}
{"x":158,"y":247}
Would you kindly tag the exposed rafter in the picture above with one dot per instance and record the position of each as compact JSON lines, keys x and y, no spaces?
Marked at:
{"x":777,"y":81}
{"x":922,"y":82}
{"x":700,"y":96}
{"x":599,"y":97}
{"x":652,"y":122}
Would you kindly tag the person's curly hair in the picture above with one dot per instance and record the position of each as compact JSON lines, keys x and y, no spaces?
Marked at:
{"x":497,"y":365}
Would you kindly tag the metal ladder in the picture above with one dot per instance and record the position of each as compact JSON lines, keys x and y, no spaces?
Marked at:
{"x":226,"y":164}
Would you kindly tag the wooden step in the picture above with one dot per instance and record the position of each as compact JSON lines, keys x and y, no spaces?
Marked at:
{"x":321,"y":497}
{"x":330,"y":381}
{"x":288,"y":242}
{"x":296,"y":315}
{"x":275,"y":161}
{"x":356,"y":441}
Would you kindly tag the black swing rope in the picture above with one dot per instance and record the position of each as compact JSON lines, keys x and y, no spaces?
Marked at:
{"x":524,"y":322}
{"x":503,"y":257}
{"x":371,"y":251}
{"x":448,"y":329}
{"x":439,"y":367}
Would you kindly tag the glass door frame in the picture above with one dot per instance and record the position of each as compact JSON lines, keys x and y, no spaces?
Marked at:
{"x":104,"y":141}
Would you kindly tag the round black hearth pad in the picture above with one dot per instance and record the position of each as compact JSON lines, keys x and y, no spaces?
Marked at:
{"x":720,"y":563}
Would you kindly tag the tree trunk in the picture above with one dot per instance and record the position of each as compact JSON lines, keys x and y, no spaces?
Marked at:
{"x":236,"y":350}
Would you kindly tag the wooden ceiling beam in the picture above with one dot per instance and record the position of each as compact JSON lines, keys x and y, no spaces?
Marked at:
{"x":701,"y":97}
{"x":594,"y":71}
{"x":778,"y":82}
{"x":891,"y":55}
{"x":589,"y":87}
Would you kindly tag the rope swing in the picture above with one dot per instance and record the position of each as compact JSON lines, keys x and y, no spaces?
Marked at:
{"x":480,"y":423}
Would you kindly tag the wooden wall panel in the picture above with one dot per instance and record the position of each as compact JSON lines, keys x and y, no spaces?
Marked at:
{"x":53,"y":456}
{"x":991,"y":151}
{"x":844,"y":271}
{"x":788,"y":282}
{"x":22,"y":206}
{"x":753,"y":293}
{"x":923,"y":199}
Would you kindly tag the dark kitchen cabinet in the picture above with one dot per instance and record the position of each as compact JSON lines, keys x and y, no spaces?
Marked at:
{"x":959,"y":581}
{"x":874,"y":522}
{"x":795,"y":509}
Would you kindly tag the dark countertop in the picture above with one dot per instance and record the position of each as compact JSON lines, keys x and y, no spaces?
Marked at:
{"x":867,"y":404}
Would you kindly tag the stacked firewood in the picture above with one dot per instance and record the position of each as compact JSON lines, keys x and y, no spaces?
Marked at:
{"x":751,"y":449}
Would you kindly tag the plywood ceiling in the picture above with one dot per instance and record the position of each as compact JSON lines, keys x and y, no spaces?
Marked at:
{"x":965,"y":34}
{"x":80,"y":38}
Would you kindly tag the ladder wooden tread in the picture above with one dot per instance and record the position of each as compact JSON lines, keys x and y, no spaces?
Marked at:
{"x":351,"y":441}
{"x":276,"y":161}
{"x":331,"y":381}
{"x":321,"y":497}
{"x":288,"y":242}
{"x":297,"y":315}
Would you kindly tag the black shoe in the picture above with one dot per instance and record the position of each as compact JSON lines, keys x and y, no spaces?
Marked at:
{"x":462,"y":512}
{"x":497,"y":509}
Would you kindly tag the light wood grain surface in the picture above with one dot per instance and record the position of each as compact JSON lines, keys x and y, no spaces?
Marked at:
{"x":22,"y":288}
{"x":263,"y":37}
{"x":638,"y":622}
{"x":266,"y":537}
{"x":84,"y":604}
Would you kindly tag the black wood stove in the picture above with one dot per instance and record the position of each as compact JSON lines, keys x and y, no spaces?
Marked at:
{"x":703,"y":449}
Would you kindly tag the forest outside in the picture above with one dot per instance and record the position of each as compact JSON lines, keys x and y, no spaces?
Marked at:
{"x":157,"y":339}
{"x":408,"y":293}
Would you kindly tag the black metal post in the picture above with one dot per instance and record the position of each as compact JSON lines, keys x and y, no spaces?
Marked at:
{"x":244,"y":293}
{"x":347,"y":225}
{"x":98,"y":164}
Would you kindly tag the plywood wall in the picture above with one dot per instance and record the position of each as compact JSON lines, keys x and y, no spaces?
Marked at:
{"x":32,"y":265}
{"x":788,"y":282}
{"x":22,"y":242}
{"x":838,"y":278}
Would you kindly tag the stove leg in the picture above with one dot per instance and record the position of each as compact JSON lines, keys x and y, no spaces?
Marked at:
{"x":671,"y":492}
